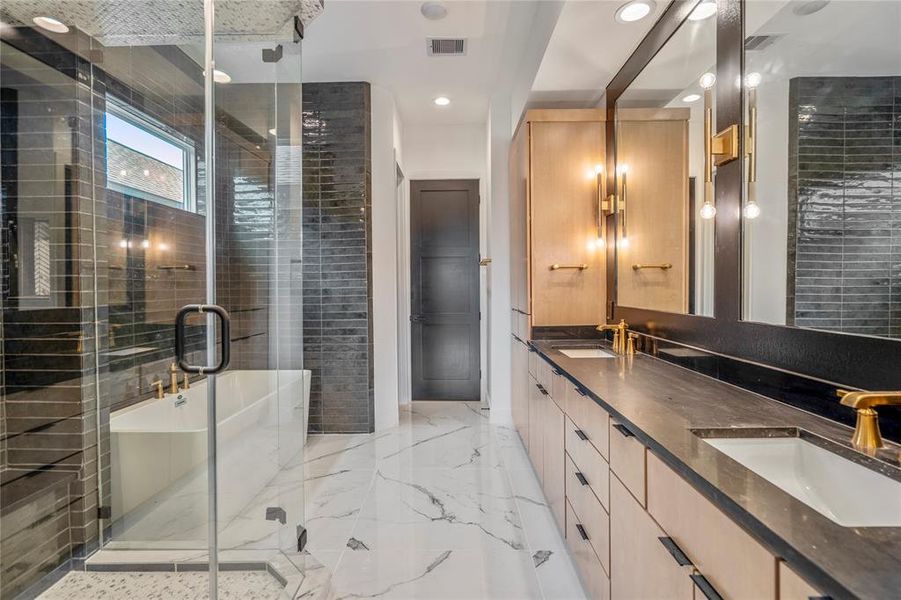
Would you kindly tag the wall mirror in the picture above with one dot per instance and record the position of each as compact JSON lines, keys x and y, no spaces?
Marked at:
{"x":822,"y":204}
{"x":664,"y":210}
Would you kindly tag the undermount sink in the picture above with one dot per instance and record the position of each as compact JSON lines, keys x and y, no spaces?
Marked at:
{"x":840,"y":489}
{"x":586,"y":352}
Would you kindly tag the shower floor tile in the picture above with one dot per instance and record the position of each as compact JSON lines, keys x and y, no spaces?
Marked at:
{"x":243,"y":585}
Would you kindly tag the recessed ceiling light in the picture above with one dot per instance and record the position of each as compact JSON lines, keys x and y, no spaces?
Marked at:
{"x":691,"y":98}
{"x":433,"y":11}
{"x":221,"y":76}
{"x":634,"y":11}
{"x":704,"y":10}
{"x":442,"y":101}
{"x":272,"y":131}
{"x":51,"y":24}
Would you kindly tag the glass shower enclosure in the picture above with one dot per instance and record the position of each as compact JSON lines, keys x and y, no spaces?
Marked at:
{"x":151,"y":168}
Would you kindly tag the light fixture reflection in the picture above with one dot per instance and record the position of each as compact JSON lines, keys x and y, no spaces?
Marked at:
{"x":691,"y":98}
{"x":707,"y":80}
{"x":751,"y":210}
{"x":708,"y":211}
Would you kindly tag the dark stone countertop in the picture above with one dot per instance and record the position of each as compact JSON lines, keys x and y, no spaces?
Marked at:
{"x":662,"y":403}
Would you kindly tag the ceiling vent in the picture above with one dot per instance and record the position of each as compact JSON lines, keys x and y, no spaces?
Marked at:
{"x":756,"y":43}
{"x":446,"y":46}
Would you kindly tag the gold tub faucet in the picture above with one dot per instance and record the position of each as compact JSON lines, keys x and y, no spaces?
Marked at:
{"x":866,"y":433}
{"x":173,"y":378}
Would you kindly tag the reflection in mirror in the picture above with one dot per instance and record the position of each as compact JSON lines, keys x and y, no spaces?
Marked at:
{"x":822,"y":209}
{"x":664,"y":209}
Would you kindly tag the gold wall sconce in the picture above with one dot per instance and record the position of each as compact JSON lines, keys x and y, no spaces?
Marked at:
{"x":719,"y":149}
{"x":751,"y":209}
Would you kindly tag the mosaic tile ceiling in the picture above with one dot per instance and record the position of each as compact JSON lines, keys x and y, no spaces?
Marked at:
{"x":131,"y":22}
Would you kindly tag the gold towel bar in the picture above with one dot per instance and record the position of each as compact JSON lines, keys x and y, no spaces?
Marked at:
{"x":663,"y":266}
{"x":556,"y":267}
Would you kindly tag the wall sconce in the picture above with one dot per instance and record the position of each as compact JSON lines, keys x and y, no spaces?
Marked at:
{"x":623,"y":171}
{"x":601,"y":204}
{"x":718,"y":149}
{"x":751,"y":209}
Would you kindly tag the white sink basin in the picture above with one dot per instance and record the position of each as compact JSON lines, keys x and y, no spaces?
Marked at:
{"x":585,"y":353}
{"x":844,"y":491}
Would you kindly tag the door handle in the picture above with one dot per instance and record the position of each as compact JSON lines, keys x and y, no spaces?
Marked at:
{"x":180,"y":320}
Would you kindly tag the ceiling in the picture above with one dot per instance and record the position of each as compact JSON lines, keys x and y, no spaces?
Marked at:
{"x":586,"y":50}
{"x":384,"y":42}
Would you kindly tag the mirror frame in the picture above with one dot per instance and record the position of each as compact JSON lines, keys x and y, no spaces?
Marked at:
{"x":851,"y":360}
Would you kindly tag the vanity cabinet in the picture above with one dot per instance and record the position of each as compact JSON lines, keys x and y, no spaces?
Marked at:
{"x":554,"y":203}
{"x":634,"y":527}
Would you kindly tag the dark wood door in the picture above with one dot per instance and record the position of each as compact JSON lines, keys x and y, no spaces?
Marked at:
{"x":444,"y":223}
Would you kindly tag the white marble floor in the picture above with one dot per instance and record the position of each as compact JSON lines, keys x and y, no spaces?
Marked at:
{"x":445,"y":505}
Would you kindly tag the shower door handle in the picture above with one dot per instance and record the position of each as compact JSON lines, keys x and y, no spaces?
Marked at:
{"x":180,"y":321}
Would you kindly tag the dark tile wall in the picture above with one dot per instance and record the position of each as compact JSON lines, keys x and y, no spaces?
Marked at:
{"x":844,"y":253}
{"x":337,"y":256}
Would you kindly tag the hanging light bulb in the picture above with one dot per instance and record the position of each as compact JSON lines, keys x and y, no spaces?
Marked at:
{"x":708,"y":210}
{"x":751,"y":210}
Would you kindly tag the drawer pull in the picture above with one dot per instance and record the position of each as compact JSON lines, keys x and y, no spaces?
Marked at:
{"x":581,"y":478}
{"x":556,"y":371}
{"x":582,"y":531}
{"x":541,"y":389}
{"x":581,"y":435}
{"x":581,"y":392}
{"x":623,"y":430}
{"x":819,"y":598}
{"x":675,"y":551}
{"x":702,"y":584}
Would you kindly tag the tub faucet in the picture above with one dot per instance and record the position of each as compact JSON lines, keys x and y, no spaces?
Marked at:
{"x":173,"y":379}
{"x":158,"y":384}
{"x":186,"y":382}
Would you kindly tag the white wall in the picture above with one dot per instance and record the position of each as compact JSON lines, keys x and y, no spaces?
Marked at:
{"x":386,"y":143}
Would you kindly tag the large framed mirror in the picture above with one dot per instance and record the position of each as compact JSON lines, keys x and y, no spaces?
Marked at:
{"x":663,"y":199}
{"x":822,"y":206}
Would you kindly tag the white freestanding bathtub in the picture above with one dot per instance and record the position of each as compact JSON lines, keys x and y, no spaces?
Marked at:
{"x":261,"y":425}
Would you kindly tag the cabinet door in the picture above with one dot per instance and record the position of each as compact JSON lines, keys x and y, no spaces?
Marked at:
{"x":519,"y":401}
{"x":563,"y":203}
{"x":554,"y":462}
{"x":537,"y":400}
{"x":792,"y":587}
{"x":640,"y":565}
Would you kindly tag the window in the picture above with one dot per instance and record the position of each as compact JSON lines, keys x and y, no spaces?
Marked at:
{"x":145,"y":160}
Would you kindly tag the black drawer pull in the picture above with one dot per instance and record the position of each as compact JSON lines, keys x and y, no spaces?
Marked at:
{"x":623,"y":430}
{"x":702,"y":584}
{"x":581,"y":392}
{"x":556,"y":371}
{"x":581,"y":478}
{"x":675,"y":551}
{"x":819,"y":598}
{"x":541,"y":389}
{"x":582,"y":531}
{"x":581,"y":435}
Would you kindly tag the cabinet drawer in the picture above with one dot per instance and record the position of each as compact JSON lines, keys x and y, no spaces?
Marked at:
{"x":589,"y":417}
{"x":731,"y":560}
{"x":559,"y":383}
{"x":594,"y":578}
{"x":627,"y":460}
{"x":533,"y":363}
{"x":792,"y":587}
{"x":641,"y":566}
{"x":545,"y":375}
{"x":594,"y":519}
{"x":590,"y":463}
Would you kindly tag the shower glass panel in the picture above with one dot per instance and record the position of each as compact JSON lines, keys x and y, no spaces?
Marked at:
{"x":131,"y":132}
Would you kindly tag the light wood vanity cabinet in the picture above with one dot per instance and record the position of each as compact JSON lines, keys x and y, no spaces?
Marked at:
{"x":641,"y":567}
{"x":554,"y":197}
{"x":614,"y":514}
{"x":734,"y":563}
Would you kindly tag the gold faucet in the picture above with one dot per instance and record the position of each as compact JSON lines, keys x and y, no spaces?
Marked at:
{"x":866,"y":433}
{"x":158,"y":384}
{"x":173,"y":378}
{"x":619,"y":336}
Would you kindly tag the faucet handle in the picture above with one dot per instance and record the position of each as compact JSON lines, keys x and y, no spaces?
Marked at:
{"x":158,"y":384}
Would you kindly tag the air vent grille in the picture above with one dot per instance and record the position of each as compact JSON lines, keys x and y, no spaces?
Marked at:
{"x":446,"y":46}
{"x":756,"y":43}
